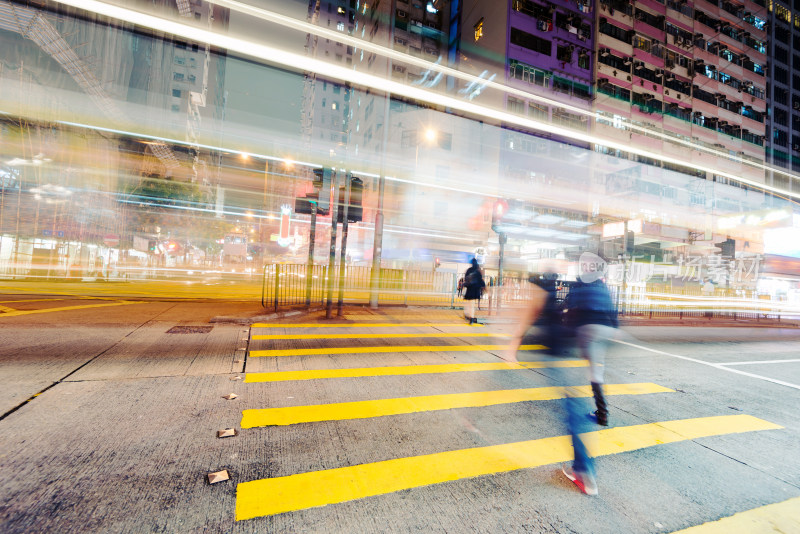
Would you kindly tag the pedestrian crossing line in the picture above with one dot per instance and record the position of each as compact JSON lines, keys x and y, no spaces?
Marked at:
{"x":376,"y":336}
{"x":779,"y":517}
{"x":270,"y":496}
{"x":390,"y":348}
{"x":357,"y":372}
{"x":361,"y":325}
{"x":340,"y":411}
{"x":68,"y":308}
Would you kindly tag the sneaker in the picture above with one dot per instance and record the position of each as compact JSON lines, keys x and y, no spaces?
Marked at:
{"x":585,"y":482}
{"x":597,"y":419}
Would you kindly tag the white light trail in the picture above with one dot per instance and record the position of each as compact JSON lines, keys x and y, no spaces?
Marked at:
{"x":389,"y":53}
{"x":293,"y":61}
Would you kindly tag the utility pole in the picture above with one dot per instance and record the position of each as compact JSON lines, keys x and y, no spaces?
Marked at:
{"x":332,"y":260}
{"x":377,"y":243}
{"x":343,"y":254}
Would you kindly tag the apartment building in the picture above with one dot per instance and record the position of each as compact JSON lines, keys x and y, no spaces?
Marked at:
{"x":686,"y":71}
{"x":783,"y":139}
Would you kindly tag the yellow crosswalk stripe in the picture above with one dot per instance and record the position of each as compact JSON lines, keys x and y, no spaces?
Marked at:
{"x":361,"y":325}
{"x":779,"y":517}
{"x":272,"y":496}
{"x":354,"y":372}
{"x":376,"y":336}
{"x":292,"y":415}
{"x":67,"y":308}
{"x":394,"y":348}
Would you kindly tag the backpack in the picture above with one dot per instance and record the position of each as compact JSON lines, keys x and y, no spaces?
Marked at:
{"x":472,"y":279}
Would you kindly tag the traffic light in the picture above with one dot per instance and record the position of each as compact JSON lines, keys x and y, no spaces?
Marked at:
{"x":355,"y":211}
{"x":499,"y":211}
{"x":305,"y":204}
{"x":322,"y":186}
{"x":727,"y":248}
{"x":437,"y":263}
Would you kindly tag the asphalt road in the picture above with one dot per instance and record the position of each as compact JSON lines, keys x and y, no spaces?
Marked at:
{"x":110,"y":417}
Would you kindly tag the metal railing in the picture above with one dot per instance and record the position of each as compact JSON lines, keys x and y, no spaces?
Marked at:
{"x":286,"y":285}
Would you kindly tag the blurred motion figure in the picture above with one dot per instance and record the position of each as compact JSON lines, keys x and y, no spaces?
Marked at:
{"x":589,"y":309}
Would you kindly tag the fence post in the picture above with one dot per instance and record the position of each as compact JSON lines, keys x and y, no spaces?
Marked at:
{"x":453,"y":290}
{"x":263,"y":286}
{"x":277,"y":283}
{"x":405,"y":289}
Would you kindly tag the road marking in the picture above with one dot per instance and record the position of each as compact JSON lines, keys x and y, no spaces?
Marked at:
{"x":721,"y":366}
{"x":376,"y":336}
{"x":340,"y":411}
{"x":313,"y":374}
{"x":359,"y":325}
{"x":32,"y":300}
{"x":779,"y":517}
{"x":67,"y":308}
{"x":395,"y":348}
{"x":759,"y":362}
{"x":272,"y":496}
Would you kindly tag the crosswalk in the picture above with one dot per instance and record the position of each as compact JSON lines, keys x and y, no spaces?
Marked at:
{"x":330,"y":357}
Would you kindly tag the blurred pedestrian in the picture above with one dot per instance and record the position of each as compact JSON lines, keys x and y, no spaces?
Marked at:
{"x":473,"y":284}
{"x":544,"y":311}
{"x":460,"y":286}
{"x":591,"y":312}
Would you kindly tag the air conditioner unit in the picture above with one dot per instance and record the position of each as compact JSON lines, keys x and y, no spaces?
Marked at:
{"x":628,"y":78}
{"x":796,"y":104}
{"x":666,"y":92}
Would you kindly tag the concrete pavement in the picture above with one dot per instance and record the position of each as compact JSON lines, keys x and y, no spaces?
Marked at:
{"x":123,"y":430}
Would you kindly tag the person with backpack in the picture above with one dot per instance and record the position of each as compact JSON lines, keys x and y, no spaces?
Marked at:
{"x":591,"y":312}
{"x":473,"y":285}
{"x":545,"y":312}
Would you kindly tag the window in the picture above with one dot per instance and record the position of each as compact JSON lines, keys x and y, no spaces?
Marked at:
{"x":642,"y":44}
{"x":334,"y":105}
{"x":564,"y":53}
{"x":538,"y":111}
{"x":340,"y":10}
{"x":528,"y":73}
{"x":779,"y":137}
{"x":176,"y":107}
{"x":781,"y":54}
{"x":176,"y":93}
{"x":781,"y":96}
{"x":531,"y":42}
{"x":516,"y":105}
{"x":781,"y":75}
{"x":179,"y":60}
{"x":177,"y":76}
{"x":478,"y":29}
{"x":340,"y":26}
{"x":583,"y":60}
{"x":781,"y":117}
{"x":192,"y":78}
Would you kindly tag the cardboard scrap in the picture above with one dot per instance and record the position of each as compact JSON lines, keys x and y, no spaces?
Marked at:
{"x":218,"y":476}
{"x":230,"y":396}
{"x":227,"y":433}
{"x":236,"y":378}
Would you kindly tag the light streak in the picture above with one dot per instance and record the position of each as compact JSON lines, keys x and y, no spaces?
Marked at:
{"x":294,"y":61}
{"x":389,"y":53}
